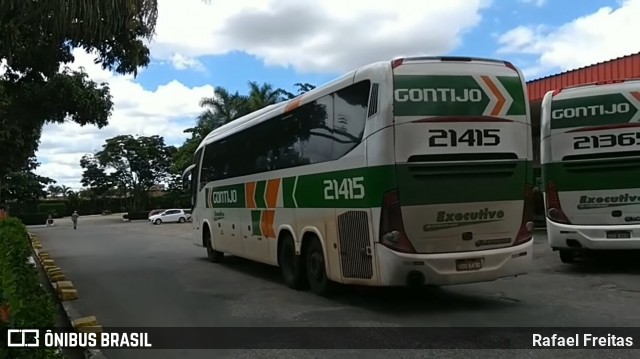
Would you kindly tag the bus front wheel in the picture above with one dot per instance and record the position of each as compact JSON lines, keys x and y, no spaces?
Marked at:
{"x":291,"y":265}
{"x":213,"y":255}
{"x":316,"y":269}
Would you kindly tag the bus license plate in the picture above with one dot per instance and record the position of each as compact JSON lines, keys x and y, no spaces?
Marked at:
{"x":468,"y":264}
{"x":618,"y":234}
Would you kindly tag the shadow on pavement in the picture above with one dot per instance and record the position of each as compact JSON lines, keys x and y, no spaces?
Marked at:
{"x":605,"y":262}
{"x":387,"y":300}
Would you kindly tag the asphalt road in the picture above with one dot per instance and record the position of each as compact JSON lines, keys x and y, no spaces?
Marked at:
{"x":137,"y":274}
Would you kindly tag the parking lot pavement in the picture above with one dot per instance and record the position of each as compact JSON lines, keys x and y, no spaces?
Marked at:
{"x":138,"y":274}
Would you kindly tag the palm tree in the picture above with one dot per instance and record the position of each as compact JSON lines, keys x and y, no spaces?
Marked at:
{"x":64,"y":191}
{"x":54,"y":190}
{"x":222,"y":108}
{"x":261,"y":96}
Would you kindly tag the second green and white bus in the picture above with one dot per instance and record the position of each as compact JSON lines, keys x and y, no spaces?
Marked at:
{"x":590,"y":151}
{"x":406,"y":172}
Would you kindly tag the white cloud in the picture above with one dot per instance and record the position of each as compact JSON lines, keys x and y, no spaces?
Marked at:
{"x":538,"y":3}
{"x":137,"y":111}
{"x":181,"y":62}
{"x":593,"y":38}
{"x":285,"y":33}
{"x":331,"y":35}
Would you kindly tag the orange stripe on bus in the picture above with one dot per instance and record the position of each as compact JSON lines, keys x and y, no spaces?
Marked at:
{"x":271,"y":197}
{"x":250,"y":190}
{"x":501,"y":100}
{"x":293,"y":105}
{"x":636,"y":95}
{"x":268,"y":216}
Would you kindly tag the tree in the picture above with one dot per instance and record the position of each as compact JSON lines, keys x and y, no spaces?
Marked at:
{"x":301,"y":88}
{"x":261,"y":96}
{"x":138,"y":163}
{"x":95,"y":178}
{"x":24,"y":185}
{"x":37,"y":38}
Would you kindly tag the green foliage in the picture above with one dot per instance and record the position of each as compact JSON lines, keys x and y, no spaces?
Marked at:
{"x":32,"y":219}
{"x":37,"y":40}
{"x":28,"y":105}
{"x":30,"y":305}
{"x":138,"y":163}
{"x":94,"y":176}
{"x":23,"y":185}
{"x":57,"y":210}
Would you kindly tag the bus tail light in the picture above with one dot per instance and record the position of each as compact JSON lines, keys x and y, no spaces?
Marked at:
{"x":392,"y":234}
{"x":525,"y":233}
{"x":554,"y":209}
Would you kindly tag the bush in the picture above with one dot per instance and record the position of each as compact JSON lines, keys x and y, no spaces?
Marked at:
{"x":30,"y":306}
{"x":57,"y":210}
{"x":30,"y":219}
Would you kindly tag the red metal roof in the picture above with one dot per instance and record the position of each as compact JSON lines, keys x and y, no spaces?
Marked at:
{"x":616,"y":69}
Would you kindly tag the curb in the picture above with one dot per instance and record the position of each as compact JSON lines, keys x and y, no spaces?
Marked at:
{"x":66,"y":294}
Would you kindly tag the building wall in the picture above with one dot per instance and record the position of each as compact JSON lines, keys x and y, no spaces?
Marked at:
{"x":616,"y":69}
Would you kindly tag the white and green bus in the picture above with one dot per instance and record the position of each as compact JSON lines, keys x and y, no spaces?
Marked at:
{"x":590,"y":154}
{"x":405,"y":172}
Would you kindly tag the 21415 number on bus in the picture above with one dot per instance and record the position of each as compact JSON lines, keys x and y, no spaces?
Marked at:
{"x":471,"y":138}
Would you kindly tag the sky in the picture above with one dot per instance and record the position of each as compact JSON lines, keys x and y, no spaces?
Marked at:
{"x":202,"y":44}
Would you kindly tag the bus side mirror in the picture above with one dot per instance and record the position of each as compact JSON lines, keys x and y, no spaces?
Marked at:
{"x":186,"y":182}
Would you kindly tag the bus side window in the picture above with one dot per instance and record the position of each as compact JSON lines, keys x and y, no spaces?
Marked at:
{"x":316,"y":125}
{"x":208,"y":163}
{"x":350,"y":116}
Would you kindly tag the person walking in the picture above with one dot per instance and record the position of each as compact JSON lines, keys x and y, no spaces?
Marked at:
{"x":74,"y":219}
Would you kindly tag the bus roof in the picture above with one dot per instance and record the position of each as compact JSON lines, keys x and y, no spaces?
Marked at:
{"x":589,"y":85}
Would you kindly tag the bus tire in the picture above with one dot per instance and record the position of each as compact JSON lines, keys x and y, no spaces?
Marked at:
{"x":316,"y":268}
{"x":213,"y":255}
{"x":567,"y":256}
{"x":291,"y":265}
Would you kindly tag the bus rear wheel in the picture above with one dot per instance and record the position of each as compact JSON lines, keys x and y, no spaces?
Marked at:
{"x":316,"y":269}
{"x":291,"y":265}
{"x":213,"y":255}
{"x":567,"y":256}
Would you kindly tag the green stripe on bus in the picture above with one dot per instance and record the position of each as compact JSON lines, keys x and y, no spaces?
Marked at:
{"x":255,"y":223}
{"x":419,"y":185}
{"x":424,"y":184}
{"x":230,"y":196}
{"x":591,"y":175}
{"x":514,"y":87}
{"x":588,"y":111}
{"x":409,"y":96}
{"x":341,"y":189}
{"x":288,"y":185}
{"x":261,"y":187}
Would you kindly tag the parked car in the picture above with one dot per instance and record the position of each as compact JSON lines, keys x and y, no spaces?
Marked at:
{"x":169,"y":216}
{"x":156,"y":211}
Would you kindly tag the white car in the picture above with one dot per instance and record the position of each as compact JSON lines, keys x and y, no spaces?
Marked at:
{"x":170,"y":215}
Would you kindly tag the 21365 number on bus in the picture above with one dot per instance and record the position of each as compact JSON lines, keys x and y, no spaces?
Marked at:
{"x":606,"y":141}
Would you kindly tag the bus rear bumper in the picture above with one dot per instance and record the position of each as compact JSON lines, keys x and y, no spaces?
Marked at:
{"x":563,"y":236}
{"x":403,"y":269}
